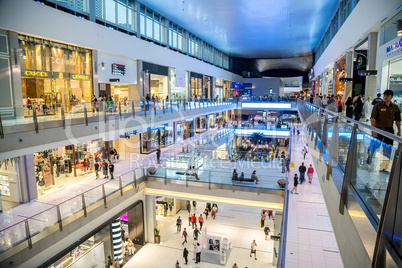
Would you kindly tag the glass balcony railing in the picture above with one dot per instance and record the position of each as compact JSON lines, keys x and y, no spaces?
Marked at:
{"x":35,"y":116}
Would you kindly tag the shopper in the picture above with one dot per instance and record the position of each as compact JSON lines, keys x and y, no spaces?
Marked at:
{"x":214,"y":212}
{"x":206,"y":212}
{"x":111,"y":170}
{"x":295,"y":184}
{"x":185,"y":236}
{"x":266,"y":231}
{"x":198,"y":250}
{"x":96,"y":166}
{"x":201,"y":221}
{"x":349,"y":107}
{"x":263,"y":217}
{"x":179,"y":222}
{"x":189,"y":216}
{"x":383,"y":116}
{"x":302,"y":170}
{"x":105,"y":169}
{"x":185,"y":255}
{"x":283,"y":161}
{"x":235,"y":175}
{"x":194,"y":205}
{"x":116,"y":155}
{"x":196,"y":233}
{"x":235,"y":266}
{"x":177,"y":264}
{"x":194,"y":173}
{"x":194,"y":220}
{"x":158,"y":156}
{"x":310,"y":173}
{"x":254,"y":249}
{"x":116,"y":263}
{"x":130,"y":247}
{"x":287,"y":164}
{"x":367,"y":109}
{"x":254,"y":177}
{"x":377,"y":100}
{"x":109,"y":262}
{"x":304,"y":152}
{"x":111,"y":155}
{"x":358,"y":103}
{"x":339,"y":104}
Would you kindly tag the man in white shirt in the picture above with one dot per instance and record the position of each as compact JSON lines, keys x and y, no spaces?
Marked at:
{"x":324,"y":102}
{"x":254,"y":249}
{"x":198,"y":250}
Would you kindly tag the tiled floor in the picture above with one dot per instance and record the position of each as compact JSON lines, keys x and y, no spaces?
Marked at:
{"x":311,"y":240}
{"x":239,"y":224}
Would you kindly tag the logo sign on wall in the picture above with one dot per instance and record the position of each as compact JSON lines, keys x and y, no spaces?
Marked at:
{"x":393,"y":48}
{"x":180,"y":77}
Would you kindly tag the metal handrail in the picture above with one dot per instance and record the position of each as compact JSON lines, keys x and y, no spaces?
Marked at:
{"x":377,"y":130}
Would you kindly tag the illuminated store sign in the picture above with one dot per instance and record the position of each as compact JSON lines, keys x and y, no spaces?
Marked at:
{"x":394,"y":47}
{"x":267,"y":105}
{"x":38,"y":74}
{"x":80,"y":77}
{"x":281,"y":133}
{"x":56,"y":75}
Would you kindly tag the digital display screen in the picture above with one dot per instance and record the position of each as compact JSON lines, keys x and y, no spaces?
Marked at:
{"x":118,"y":69}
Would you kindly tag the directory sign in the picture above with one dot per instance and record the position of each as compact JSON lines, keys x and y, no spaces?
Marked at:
{"x":118,"y":69}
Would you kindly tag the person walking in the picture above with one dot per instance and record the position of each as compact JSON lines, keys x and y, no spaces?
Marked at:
{"x":358,"y":103}
{"x":96,"y":166}
{"x":111,"y":170}
{"x":377,"y":100}
{"x":287,"y":164}
{"x":263,"y":217}
{"x":194,"y":220}
{"x":214,"y":211}
{"x":302,"y":170}
{"x":185,"y":255}
{"x":349,"y":107}
{"x":310,"y":173}
{"x":254,"y":249}
{"x":179,"y":222}
{"x":177,"y":265}
{"x":185,"y":236}
{"x":339,"y":104}
{"x":116,"y":263}
{"x":235,"y":266}
{"x":198,"y":250}
{"x":304,"y":152}
{"x":206,"y":212}
{"x":283,"y":161}
{"x":367,"y":109}
{"x":105,"y":169}
{"x":194,"y":205}
{"x":295,"y":184}
{"x":158,"y":156}
{"x":201,"y":221}
{"x":266,"y":231}
{"x":196,"y":233}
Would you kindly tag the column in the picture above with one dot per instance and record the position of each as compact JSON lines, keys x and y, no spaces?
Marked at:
{"x":150,"y":219}
{"x":371,"y":81}
{"x":167,"y":36}
{"x":138,"y":17}
{"x":349,"y":74}
{"x":213,"y":94}
{"x":193,"y":128}
{"x":169,"y":83}
{"x":140,"y":78}
{"x":95,"y":67}
{"x":27,"y":179}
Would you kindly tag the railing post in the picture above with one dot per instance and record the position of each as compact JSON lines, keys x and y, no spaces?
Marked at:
{"x":171,"y":106}
{"x":135,"y":179}
{"x":120,"y":109}
{"x":350,"y":170}
{"x":155,"y":108}
{"x":333,"y":150}
{"x":59,"y":218}
{"x":324,"y":137}
{"x":104,"y":110}
{"x":84,"y":206}
{"x":121,"y":186}
{"x":63,"y":117}
{"x":1,"y":129}
{"x":104,"y":195}
{"x":184,"y":104}
{"x":209,"y":180}
{"x":133,"y":107}
{"x":165,"y":176}
{"x":145,"y":107}
{"x":35,"y":118}
{"x":85,"y":114}
{"x":28,"y":234}
{"x":163,"y":103}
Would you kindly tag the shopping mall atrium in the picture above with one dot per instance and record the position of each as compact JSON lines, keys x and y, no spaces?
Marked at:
{"x":231,"y":133}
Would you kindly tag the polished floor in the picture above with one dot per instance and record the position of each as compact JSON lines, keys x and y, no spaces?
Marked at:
{"x":240,"y":224}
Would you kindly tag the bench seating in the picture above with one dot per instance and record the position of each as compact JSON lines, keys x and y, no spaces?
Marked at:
{"x":244,"y":180}
{"x":183,"y":175}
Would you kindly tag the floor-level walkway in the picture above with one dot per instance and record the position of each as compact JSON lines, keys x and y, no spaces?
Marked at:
{"x":311,"y":239}
{"x":240,"y":224}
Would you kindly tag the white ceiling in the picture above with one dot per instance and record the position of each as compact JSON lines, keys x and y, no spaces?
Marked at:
{"x":252,"y":28}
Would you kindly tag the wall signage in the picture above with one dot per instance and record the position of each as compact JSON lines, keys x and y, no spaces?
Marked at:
{"x":394,"y":47}
{"x":345,"y":79}
{"x":367,"y":72}
{"x":84,"y":77}
{"x":118,"y":69}
{"x":38,"y":74}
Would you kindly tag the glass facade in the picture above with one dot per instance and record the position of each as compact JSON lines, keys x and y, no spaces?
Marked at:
{"x":158,"y":137}
{"x":178,"y":84}
{"x":120,"y":13}
{"x":152,"y":25}
{"x":53,"y":72}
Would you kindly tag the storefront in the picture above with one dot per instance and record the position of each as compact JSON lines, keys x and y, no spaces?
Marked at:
{"x":219,"y":119}
{"x":54,"y":72}
{"x":212,"y":122}
{"x":196,"y":85}
{"x":60,"y":167}
{"x":184,"y":130}
{"x":219,"y":88}
{"x":178,"y":84}
{"x":208,"y":83}
{"x":165,"y":207}
{"x":9,"y":183}
{"x":226,"y":86}
{"x":201,"y":124}
{"x":340,"y":72}
{"x":157,"y":137}
{"x":155,"y":79}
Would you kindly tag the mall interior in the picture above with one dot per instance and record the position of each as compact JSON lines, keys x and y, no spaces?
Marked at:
{"x":134,"y":133}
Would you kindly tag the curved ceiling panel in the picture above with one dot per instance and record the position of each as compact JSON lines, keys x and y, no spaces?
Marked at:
{"x":252,"y":28}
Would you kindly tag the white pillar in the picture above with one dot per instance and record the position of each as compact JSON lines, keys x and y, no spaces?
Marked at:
{"x":150,"y":219}
{"x":371,"y":81}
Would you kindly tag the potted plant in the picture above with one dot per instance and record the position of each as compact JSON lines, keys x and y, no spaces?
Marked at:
{"x":151,"y":170}
{"x":281,"y":183}
{"x":157,"y":236}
